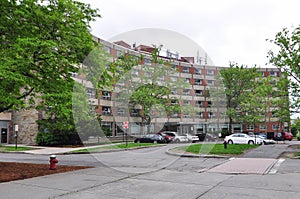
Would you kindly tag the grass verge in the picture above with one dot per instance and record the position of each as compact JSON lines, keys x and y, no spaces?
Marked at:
{"x":14,"y":149}
{"x":218,"y":149}
{"x":114,"y":147}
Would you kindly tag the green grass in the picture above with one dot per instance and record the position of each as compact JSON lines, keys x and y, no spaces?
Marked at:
{"x":13,"y":148}
{"x":117,"y":146}
{"x":218,"y":149}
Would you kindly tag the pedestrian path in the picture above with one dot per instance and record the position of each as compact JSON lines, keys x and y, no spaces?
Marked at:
{"x":245,"y":166}
{"x":41,"y":150}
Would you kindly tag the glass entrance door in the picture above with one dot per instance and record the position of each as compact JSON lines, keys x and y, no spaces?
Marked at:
{"x":3,"y":135}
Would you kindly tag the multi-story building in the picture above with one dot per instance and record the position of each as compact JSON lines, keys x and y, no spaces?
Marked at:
{"x":207,"y":112}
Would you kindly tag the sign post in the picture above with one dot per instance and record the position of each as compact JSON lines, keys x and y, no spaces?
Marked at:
{"x":16,"y":135}
{"x":126,"y":126}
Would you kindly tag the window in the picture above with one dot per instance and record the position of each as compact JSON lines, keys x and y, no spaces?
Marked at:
{"x":174,"y":91}
{"x":106,"y":95}
{"x":186,"y":91}
{"x":275,"y":126}
{"x":186,"y":102}
{"x":210,"y":72}
{"x":90,"y":92}
{"x":106,"y":110}
{"x":198,"y":81}
{"x":120,"y":112}
{"x":134,"y":112}
{"x":199,"y":103}
{"x":119,"y":53}
{"x":200,"y":114}
{"x":173,"y":79}
{"x":174,"y":102}
{"x":273,"y":73}
{"x":209,"y":104}
{"x":197,"y":71}
{"x":262,"y":127}
{"x":174,"y":67}
{"x":185,"y":69}
{"x":211,"y":115}
{"x":250,"y":127}
{"x":74,"y":74}
{"x":147,"y":61}
{"x":210,"y":82}
{"x":161,"y":78}
{"x":135,"y":73}
{"x":198,"y":92}
{"x":107,"y":49}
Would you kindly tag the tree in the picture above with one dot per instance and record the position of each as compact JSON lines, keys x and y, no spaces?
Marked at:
{"x":287,"y":58}
{"x":41,"y":44}
{"x":237,"y":80}
{"x":148,"y":88}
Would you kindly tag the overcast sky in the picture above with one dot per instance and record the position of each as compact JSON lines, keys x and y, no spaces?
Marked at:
{"x":228,"y":30}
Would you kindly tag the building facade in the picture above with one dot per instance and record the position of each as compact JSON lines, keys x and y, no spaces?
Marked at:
{"x":207,"y":114}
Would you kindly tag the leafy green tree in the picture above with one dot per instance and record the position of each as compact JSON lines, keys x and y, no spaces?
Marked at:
{"x":41,"y":44}
{"x":282,"y":111}
{"x":238,"y":81}
{"x":295,"y":127}
{"x":148,"y":89}
{"x":286,"y":56}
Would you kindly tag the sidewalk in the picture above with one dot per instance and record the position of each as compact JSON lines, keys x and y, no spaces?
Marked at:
{"x":41,"y":150}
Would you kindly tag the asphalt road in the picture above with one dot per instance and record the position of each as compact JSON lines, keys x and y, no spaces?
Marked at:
{"x":151,"y":173}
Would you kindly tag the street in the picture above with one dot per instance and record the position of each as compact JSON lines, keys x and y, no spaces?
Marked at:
{"x":151,"y":173}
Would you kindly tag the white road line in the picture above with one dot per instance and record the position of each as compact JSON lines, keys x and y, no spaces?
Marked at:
{"x":276,"y":166}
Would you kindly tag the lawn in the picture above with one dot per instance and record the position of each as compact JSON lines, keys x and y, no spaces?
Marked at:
{"x":218,"y":149}
{"x":13,"y":148}
{"x":115,"y":147}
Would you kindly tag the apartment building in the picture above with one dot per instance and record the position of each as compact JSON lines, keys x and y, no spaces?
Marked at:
{"x":208,"y":113}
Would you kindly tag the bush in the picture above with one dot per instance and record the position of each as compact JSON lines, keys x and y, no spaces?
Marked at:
{"x":55,"y":139}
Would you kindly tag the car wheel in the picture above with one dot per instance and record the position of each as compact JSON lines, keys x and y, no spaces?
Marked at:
{"x":138,"y":141}
{"x":155,"y":141}
{"x":177,"y":141}
{"x":230,"y":142}
{"x":250,"y":142}
{"x":264,"y":142}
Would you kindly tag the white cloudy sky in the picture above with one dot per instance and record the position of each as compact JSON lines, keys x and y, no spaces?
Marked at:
{"x":228,"y":30}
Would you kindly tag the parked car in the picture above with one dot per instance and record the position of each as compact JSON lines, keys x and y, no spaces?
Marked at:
{"x":288,"y":136}
{"x":265,"y":140}
{"x":242,"y":138}
{"x":207,"y":137}
{"x":176,"y":138}
{"x":283,"y":136}
{"x":150,"y":138}
{"x":168,"y":138}
{"x":192,"y":138}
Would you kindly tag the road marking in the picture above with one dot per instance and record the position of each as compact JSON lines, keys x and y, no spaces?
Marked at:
{"x":276,"y":166}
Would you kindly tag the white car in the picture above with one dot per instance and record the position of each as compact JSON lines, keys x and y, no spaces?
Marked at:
{"x":176,"y":138}
{"x":242,"y":138}
{"x":192,"y":138}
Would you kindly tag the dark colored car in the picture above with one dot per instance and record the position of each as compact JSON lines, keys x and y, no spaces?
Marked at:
{"x":167,"y":137}
{"x":150,"y":138}
{"x":207,"y":137}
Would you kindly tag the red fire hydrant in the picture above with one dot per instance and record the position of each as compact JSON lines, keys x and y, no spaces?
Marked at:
{"x":53,"y":161}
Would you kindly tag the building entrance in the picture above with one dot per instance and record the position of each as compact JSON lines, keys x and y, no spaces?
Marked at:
{"x":3,"y":135}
